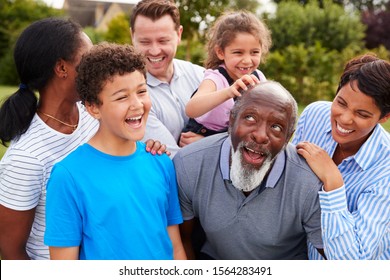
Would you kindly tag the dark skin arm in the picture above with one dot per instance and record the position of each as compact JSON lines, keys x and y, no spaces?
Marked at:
{"x":186,"y":229}
{"x":15,"y":229}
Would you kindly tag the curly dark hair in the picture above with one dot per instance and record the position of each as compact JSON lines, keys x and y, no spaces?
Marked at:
{"x":101,"y":64}
{"x":372,"y":75}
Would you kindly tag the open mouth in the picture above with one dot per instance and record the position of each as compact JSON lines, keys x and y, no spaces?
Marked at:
{"x":254,"y":157}
{"x":156,"y":60}
{"x":342,"y":130}
{"x":245,"y":69}
{"x":134,"y":121}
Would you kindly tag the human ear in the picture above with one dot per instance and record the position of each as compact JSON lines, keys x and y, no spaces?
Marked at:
{"x":93,"y":110}
{"x":219,"y":52}
{"x":60,"y":69}
{"x":384,"y":119}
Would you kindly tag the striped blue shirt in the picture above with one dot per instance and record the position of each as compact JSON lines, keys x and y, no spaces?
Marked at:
{"x":356,"y":217}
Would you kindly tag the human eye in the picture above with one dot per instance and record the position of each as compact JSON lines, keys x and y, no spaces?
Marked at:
{"x":121,"y":97}
{"x":164,"y":41}
{"x":341,"y":102}
{"x":363,"y":115}
{"x":249,"y":118}
{"x":277,"y":127}
{"x":142,"y":91}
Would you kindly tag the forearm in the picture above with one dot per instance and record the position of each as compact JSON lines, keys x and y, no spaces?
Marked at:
{"x":202,"y":103}
{"x":64,"y":253}
{"x":13,"y":253}
{"x":178,"y":249}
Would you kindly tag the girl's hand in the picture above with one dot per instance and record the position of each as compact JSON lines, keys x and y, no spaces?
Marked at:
{"x":242,"y":84}
{"x":155,"y":147}
{"x":189,"y":137}
{"x":321,"y":164}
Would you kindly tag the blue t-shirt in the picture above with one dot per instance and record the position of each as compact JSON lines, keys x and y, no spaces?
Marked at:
{"x":113,"y":207}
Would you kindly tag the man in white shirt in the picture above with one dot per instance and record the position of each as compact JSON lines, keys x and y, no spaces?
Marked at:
{"x":156,"y":32}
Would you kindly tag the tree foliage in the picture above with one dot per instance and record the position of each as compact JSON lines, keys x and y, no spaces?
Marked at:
{"x":378,"y":27}
{"x":331,"y":25}
{"x":15,"y":15}
{"x":359,"y":5}
{"x":119,"y":30}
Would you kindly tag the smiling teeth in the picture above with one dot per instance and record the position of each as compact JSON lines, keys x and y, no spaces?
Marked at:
{"x":135,"y":118}
{"x":155,"y":59}
{"x":343,"y":130}
{"x":253,"y":151}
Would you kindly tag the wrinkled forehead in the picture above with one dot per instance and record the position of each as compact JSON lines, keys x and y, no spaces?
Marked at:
{"x":259,"y":98}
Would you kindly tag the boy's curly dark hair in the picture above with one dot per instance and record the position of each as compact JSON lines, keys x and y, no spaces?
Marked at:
{"x":101,"y":64}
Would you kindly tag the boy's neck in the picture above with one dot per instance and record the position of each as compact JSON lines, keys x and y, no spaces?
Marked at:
{"x":113,"y":147}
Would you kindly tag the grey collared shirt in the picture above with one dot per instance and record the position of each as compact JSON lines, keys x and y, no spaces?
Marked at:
{"x":273,"y":224}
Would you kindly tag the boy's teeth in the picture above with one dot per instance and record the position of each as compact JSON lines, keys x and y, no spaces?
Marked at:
{"x":135,"y":118}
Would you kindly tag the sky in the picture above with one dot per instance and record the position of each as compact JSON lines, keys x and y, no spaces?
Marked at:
{"x":54,"y":3}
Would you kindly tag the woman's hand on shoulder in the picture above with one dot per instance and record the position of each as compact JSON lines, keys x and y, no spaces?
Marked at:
{"x":321,"y":164}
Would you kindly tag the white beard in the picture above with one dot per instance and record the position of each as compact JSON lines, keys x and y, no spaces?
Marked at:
{"x":245,"y":179}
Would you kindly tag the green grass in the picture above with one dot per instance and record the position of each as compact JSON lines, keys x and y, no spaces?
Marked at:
{"x":7,"y":90}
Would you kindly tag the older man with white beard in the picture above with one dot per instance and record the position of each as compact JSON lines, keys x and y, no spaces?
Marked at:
{"x":254,"y":196}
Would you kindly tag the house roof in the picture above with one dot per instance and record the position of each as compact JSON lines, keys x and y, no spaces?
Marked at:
{"x":84,"y":11}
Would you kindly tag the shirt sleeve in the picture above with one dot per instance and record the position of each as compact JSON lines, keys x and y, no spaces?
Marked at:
{"x":22,"y":180}
{"x":312,"y":217}
{"x":156,"y":130}
{"x":63,"y":218}
{"x":185,"y":195}
{"x":174,"y":215}
{"x":218,"y":117}
{"x":357,"y":234}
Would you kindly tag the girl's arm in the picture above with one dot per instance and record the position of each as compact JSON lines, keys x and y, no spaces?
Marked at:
{"x":64,"y":253}
{"x":208,"y":97}
{"x":178,"y":249}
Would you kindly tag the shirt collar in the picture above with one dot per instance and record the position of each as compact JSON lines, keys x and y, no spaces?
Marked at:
{"x":152,"y":81}
{"x":274,"y":175}
{"x":365,"y":157}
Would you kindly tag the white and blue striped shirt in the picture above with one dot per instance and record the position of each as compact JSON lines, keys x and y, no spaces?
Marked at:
{"x":356,"y":217}
{"x":26,"y":167}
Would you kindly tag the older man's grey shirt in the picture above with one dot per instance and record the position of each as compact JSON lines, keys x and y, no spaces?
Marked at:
{"x":272,"y":224}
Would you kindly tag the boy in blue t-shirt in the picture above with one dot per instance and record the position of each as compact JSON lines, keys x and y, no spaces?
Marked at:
{"x":110,"y":199}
